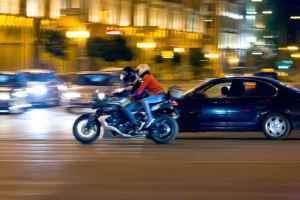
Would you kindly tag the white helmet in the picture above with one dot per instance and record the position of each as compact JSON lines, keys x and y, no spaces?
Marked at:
{"x":142,"y":68}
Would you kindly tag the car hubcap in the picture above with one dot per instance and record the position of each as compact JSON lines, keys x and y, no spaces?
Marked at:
{"x":276,"y":126}
{"x":85,"y":131}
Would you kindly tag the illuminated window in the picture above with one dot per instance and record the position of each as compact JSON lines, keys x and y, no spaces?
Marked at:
{"x":178,"y":20}
{"x":9,"y":6}
{"x":158,"y":16}
{"x":74,"y":3}
{"x":55,"y":7}
{"x":35,"y":8}
{"x":94,"y":11}
{"x":229,"y":41}
{"x":125,"y":14}
{"x":112,"y":11}
{"x":194,"y":23}
{"x":140,"y":14}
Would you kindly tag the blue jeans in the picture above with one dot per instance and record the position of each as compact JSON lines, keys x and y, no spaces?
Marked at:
{"x":146,"y":102}
{"x":129,"y":109}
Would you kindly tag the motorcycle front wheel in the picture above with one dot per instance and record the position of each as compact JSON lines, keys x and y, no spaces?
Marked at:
{"x":87,"y":129}
{"x":164,"y":130}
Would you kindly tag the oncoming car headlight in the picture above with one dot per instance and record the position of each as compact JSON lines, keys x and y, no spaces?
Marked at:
{"x":71,"y":95}
{"x":19,"y":94}
{"x":4,"y":96}
{"x":37,"y":89}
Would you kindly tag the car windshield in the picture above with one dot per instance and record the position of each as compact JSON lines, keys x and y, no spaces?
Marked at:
{"x":92,"y":79}
{"x":7,"y":80}
{"x":40,"y":77}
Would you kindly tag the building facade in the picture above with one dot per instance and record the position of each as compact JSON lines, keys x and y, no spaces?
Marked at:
{"x":152,"y":27}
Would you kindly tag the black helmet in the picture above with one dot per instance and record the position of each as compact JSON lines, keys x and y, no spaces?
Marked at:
{"x":128,"y":75}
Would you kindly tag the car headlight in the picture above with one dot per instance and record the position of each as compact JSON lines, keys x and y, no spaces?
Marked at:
{"x":39,"y":90}
{"x":19,"y":94}
{"x":101,"y":96}
{"x":71,"y":95}
{"x":62,"y":87}
{"x":4,"y":96}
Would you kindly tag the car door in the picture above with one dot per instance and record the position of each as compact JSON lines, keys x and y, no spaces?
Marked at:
{"x":245,"y":111}
{"x":206,"y":109}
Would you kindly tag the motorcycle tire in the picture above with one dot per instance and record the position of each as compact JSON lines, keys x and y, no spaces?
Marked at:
{"x":84,"y":134}
{"x":164,"y":130}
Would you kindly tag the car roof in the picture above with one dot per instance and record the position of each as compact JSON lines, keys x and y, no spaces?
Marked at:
{"x":36,"y":71}
{"x":253,"y":78}
{"x":96,"y":73}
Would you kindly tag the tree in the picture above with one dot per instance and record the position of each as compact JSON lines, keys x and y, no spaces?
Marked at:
{"x":197,"y":58}
{"x":111,"y":50}
{"x":54,"y":42}
{"x":176,"y":60}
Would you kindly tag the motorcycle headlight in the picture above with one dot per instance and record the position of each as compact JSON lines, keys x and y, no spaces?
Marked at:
{"x":101,"y":96}
{"x":71,"y":95}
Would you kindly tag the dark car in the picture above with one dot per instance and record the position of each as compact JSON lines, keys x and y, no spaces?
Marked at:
{"x":242,"y":104}
{"x":43,"y":87}
{"x":12,"y":93}
{"x":85,"y":84}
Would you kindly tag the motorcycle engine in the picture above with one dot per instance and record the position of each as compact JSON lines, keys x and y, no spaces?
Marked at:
{"x":119,"y":122}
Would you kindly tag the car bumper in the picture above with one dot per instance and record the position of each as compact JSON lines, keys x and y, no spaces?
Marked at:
{"x":46,"y":100}
{"x":12,"y":107}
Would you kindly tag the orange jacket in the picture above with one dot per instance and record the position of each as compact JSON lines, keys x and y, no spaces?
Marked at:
{"x":151,"y":85}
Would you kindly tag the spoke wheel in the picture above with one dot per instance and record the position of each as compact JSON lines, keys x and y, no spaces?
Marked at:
{"x":277,"y":126}
{"x":87,"y":131}
{"x":164,"y":130}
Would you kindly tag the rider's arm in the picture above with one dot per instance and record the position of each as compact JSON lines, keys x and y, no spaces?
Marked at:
{"x":142,"y":87}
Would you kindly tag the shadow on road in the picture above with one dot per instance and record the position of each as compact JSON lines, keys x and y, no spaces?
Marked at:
{"x":236,"y":138}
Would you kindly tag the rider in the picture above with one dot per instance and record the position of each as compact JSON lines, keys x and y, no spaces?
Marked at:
{"x":131,"y":82}
{"x":152,"y":86}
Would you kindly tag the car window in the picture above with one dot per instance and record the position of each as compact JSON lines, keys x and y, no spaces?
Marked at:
{"x":7,"y":80}
{"x":40,"y":77}
{"x":115,"y":80}
{"x":215,"y":91}
{"x":92,"y":79}
{"x":258,"y":89}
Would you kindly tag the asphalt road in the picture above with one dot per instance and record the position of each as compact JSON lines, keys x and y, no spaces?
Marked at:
{"x":39,"y":159}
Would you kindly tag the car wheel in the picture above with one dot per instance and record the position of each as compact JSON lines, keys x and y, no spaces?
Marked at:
{"x":276,"y":126}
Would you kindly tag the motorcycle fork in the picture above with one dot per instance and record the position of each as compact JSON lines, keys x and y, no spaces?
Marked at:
{"x":91,"y":121}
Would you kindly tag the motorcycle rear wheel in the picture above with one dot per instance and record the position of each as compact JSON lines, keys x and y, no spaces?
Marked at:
{"x":164,"y":130}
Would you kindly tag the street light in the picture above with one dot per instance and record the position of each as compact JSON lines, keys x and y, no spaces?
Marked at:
{"x":82,"y":34}
{"x":295,"y":55}
{"x":212,"y":56}
{"x":179,"y":50}
{"x":289,"y":48}
{"x":267,"y":12}
{"x":295,"y":17}
{"x":146,"y":45}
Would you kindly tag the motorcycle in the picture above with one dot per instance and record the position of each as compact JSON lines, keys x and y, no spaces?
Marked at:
{"x":110,"y":117}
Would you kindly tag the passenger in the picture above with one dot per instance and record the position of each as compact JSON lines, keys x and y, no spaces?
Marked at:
{"x":152,"y":86}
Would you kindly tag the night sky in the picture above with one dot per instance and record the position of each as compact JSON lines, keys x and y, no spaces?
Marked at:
{"x":289,"y":29}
